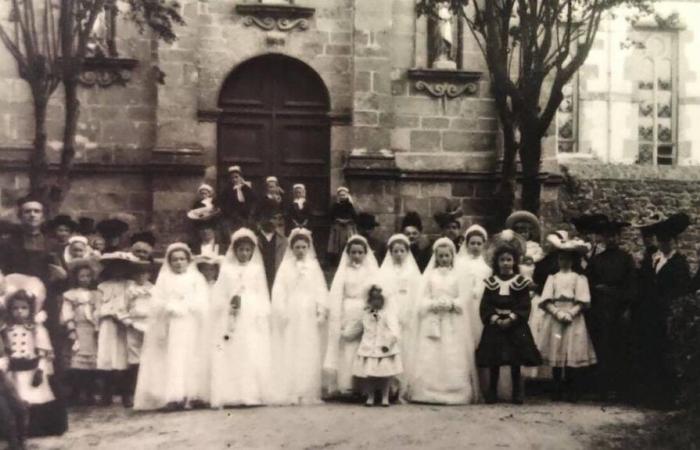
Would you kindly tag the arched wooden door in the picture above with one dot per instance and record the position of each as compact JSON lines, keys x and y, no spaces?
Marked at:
{"x":274,"y":121}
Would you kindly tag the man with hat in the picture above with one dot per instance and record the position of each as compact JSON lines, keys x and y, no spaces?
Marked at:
{"x":412,"y":227}
{"x":671,"y":279}
{"x":611,"y":275}
{"x":271,"y":242}
{"x":366,"y":224}
{"x":237,"y":200}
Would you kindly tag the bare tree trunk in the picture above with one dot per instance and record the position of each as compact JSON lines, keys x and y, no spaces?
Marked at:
{"x":38,"y":165}
{"x":505,"y":192}
{"x":72,"y":114}
{"x":530,"y":157}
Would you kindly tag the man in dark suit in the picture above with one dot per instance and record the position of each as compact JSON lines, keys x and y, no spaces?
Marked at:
{"x":271,"y":242}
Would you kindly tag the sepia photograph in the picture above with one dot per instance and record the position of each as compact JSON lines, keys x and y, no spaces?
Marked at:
{"x":349,"y":224}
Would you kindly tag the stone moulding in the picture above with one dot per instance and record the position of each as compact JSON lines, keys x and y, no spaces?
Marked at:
{"x":269,"y":17}
{"x":106,"y":72}
{"x":445,"y":84}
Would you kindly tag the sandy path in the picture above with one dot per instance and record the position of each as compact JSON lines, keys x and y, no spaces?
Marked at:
{"x":538,"y":425}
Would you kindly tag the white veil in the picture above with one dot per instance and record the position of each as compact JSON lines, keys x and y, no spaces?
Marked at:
{"x":335,"y":298}
{"x":151,"y":390}
{"x":389,"y":270}
{"x":287,"y":273}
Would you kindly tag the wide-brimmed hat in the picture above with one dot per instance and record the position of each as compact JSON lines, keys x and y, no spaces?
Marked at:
{"x":119,"y":256}
{"x":561,"y":241}
{"x":606,"y":225}
{"x":671,"y":227}
{"x":62,"y":220}
{"x":207,"y":260}
{"x":525,"y":216}
{"x":78,"y":263}
{"x":646,"y":221}
{"x":203,"y":214}
{"x":86,"y":226}
{"x":112,"y":228}
{"x":143,"y":236}
{"x":451,"y":215}
{"x":366,"y":221}
{"x":588,"y":223}
{"x":412,"y":219}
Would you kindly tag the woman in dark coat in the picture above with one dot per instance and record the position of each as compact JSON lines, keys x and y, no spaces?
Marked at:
{"x":237,"y":201}
{"x":504,"y":310}
{"x":671,"y":278}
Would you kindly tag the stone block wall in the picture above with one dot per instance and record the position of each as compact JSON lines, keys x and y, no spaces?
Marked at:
{"x":625,"y":192}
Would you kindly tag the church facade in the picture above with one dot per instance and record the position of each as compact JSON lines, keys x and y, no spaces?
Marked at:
{"x":362,"y":93}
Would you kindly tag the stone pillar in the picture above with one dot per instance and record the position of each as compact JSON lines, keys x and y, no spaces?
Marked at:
{"x":372,"y":101}
{"x":177,"y":98}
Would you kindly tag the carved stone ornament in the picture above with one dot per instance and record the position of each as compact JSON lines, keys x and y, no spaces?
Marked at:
{"x":282,"y":17}
{"x":445,"y":84}
{"x":106,"y":72}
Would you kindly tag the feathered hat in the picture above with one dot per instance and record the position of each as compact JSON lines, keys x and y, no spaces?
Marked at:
{"x":366,"y":221}
{"x":86,"y":226}
{"x":671,"y":227}
{"x":112,"y":228}
{"x":451,"y":215}
{"x":412,"y":219}
{"x":588,"y":223}
{"x":561,"y":241}
{"x":62,"y":220}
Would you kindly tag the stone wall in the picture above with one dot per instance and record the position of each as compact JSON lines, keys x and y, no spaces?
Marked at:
{"x":625,"y":192}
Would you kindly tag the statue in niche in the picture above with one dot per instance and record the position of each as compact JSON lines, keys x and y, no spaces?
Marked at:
{"x":101,"y":43}
{"x":443,"y":38}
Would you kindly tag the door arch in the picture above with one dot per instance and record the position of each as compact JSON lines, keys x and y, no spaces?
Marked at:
{"x":274,"y":121}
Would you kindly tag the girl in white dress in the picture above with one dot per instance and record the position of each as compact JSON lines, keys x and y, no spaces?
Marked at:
{"x":168,"y":373}
{"x":399,"y":278}
{"x":356,"y":273}
{"x":241,"y":360}
{"x":299,"y":309}
{"x":563,"y":339}
{"x":444,"y":367}
{"x":475,"y":270}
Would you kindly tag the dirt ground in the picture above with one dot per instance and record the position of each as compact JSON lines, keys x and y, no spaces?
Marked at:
{"x":539,"y":424}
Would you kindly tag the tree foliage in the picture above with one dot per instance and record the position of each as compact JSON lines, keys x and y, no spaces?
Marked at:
{"x":532,"y":49}
{"x":49,"y":41}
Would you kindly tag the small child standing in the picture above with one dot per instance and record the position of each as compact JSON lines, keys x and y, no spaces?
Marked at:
{"x":343,"y":216}
{"x":78,"y":318}
{"x":30,"y":364}
{"x":378,"y":357}
{"x":13,"y":413}
{"x":563,"y":339}
{"x":112,"y":355}
{"x":138,"y":304}
{"x":505,"y":309}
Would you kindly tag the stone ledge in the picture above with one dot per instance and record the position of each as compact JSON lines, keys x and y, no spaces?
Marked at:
{"x":445,"y":84}
{"x":105,"y":72}
{"x":283,"y":17}
{"x":601,"y":171}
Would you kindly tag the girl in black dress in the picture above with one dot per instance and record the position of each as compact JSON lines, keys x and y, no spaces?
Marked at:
{"x":505,"y":309}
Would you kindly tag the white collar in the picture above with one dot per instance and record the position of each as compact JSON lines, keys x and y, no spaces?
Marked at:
{"x":660,"y":260}
{"x":268,"y":236}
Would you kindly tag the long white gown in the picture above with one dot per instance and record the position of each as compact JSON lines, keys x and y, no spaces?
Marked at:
{"x":401,"y":283}
{"x":348,"y":297}
{"x":445,"y":369}
{"x":241,"y":359}
{"x":169,"y":371}
{"x":475,"y":270}
{"x":299,"y":303}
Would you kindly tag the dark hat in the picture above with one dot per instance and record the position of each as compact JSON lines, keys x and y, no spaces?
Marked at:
{"x":86,"y":226}
{"x":671,"y":227}
{"x":144,"y":236}
{"x":412,"y":219}
{"x":112,"y":228}
{"x":366,"y":221}
{"x":588,"y":223}
{"x":62,"y":220}
{"x":605,"y":225}
{"x":443,"y":219}
{"x":205,"y":213}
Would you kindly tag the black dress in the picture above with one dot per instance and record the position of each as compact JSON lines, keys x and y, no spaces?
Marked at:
{"x":298,"y":216}
{"x":513,"y":346}
{"x":235,"y":212}
{"x":611,"y":276}
{"x":422,"y":252}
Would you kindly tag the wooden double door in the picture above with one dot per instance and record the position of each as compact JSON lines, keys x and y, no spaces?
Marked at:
{"x":274,"y":121}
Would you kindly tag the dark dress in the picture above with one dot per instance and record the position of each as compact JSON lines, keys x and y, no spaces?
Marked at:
{"x":422,"y":252}
{"x":298,"y":216}
{"x":236,"y":213}
{"x":611,"y":276}
{"x":343,"y":217}
{"x":378,"y":248}
{"x":13,"y":412}
{"x":513,"y":346}
{"x":670,"y":282}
